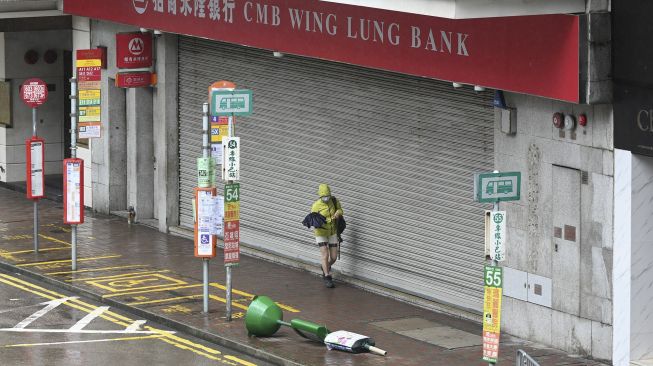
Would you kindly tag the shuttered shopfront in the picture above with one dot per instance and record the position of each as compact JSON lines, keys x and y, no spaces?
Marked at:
{"x":398,"y":151}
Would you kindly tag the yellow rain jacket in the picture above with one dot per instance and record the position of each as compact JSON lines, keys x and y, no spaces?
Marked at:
{"x":327,"y":210}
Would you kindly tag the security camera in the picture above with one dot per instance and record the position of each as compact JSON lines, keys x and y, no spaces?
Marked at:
{"x":457,"y":85}
{"x":478,"y":88}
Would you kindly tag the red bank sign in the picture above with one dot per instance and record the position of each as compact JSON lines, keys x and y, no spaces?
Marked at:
{"x":533,"y":55}
{"x":133,"y":50}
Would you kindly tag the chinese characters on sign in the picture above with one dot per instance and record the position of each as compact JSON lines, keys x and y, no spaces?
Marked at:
{"x":231,"y":158}
{"x":232,"y":223}
{"x":492,"y":312}
{"x":495,"y":240}
{"x":133,"y":50}
{"x":89,"y":76}
{"x":205,"y":239}
{"x":34,"y":92}
{"x":35,"y":175}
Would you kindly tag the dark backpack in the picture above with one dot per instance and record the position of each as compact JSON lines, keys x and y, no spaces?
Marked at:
{"x":342,"y":225}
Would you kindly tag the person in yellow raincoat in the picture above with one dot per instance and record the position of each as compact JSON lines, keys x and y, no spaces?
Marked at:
{"x":327,"y":235}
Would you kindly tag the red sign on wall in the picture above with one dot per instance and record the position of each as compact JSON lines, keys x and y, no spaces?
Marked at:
{"x":133,"y":50}
{"x":530,"y":54}
{"x":34,"y":92}
{"x":133,"y":79}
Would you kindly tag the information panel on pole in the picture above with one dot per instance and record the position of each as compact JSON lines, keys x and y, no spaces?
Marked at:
{"x":35,"y":155}
{"x":205,"y":238}
{"x":73,"y":199}
{"x":493,"y":278}
{"x":34,"y":92}
{"x":89,"y":75}
{"x":232,"y":223}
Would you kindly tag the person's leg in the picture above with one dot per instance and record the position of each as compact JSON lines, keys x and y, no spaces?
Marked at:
{"x":324,"y":259}
{"x":333,"y":255}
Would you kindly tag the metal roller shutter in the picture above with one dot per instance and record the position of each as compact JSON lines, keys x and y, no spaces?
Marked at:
{"x":398,"y":151}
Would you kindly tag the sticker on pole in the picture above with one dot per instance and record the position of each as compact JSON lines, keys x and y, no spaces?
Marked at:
{"x":34,"y":92}
{"x":228,"y":103}
{"x":495,"y":235}
{"x":493,"y":278}
{"x":497,"y":187}
{"x":205,"y":239}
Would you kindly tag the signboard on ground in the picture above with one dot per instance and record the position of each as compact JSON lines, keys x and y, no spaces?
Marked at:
{"x":89,"y":76}
{"x":133,"y":50}
{"x":34,"y":92}
{"x":227,"y":103}
{"x":495,"y":235}
{"x":73,"y":200}
{"x":493,"y":278}
{"x":205,"y":239}
{"x":231,"y":158}
{"x":497,"y":187}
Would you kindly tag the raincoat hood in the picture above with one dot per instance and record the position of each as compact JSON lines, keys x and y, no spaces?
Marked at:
{"x":324,"y":190}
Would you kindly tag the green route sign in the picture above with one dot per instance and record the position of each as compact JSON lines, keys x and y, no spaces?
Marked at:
{"x":497,"y":187}
{"x":231,"y":102}
{"x":232,"y":192}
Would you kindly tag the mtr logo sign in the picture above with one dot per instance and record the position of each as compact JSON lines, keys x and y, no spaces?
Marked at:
{"x":134,"y":50}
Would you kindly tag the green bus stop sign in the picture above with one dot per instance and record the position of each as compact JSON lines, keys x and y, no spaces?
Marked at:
{"x":497,"y":187}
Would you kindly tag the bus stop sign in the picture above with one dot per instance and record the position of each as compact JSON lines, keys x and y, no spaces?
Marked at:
{"x":231,"y":102}
{"x":497,"y":187}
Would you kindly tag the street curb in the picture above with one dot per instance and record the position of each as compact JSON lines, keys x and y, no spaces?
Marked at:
{"x":173,"y":324}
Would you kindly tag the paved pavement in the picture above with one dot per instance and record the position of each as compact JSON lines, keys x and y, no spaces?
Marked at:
{"x":156,"y":277}
{"x":40,"y":326}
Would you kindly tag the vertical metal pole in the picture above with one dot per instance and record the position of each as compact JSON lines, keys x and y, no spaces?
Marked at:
{"x":206,"y":148}
{"x":228,"y":268}
{"x":494,"y":263}
{"x":36,"y":201}
{"x":73,"y":154}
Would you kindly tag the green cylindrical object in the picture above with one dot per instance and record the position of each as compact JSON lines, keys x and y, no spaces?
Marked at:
{"x":305,"y":326}
{"x":264,"y":317}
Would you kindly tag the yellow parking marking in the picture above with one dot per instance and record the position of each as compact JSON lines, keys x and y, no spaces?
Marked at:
{"x":250,"y":296}
{"x":97,"y":269}
{"x":117,"y":276}
{"x":10,"y":257}
{"x":136,"y":282}
{"x":217,"y":298}
{"x":111,"y":316}
{"x":55,"y":240}
{"x":126,"y":293}
{"x":40,"y":250}
{"x":68,"y":260}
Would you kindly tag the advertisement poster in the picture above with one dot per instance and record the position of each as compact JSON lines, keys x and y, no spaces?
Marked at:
{"x":492,"y":312}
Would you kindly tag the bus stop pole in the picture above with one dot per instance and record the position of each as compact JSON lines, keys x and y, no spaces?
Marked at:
{"x":231,"y":133}
{"x":73,"y":154}
{"x":206,"y":148}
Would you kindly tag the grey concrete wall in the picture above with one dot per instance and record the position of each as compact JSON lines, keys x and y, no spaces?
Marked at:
{"x":140,"y":152}
{"x":580,"y":323}
{"x":641,"y":304}
{"x":50,"y":115}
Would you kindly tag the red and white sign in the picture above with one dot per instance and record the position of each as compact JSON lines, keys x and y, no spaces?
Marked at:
{"x":231,"y":242}
{"x":133,"y":50}
{"x":73,"y":199}
{"x":35,"y":175}
{"x":133,"y":79}
{"x":34,"y":92}
{"x":529,"y":54}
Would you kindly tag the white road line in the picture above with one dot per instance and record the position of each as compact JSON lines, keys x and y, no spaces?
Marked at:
{"x":71,"y":342}
{"x":50,"y":305}
{"x":135,"y":326}
{"x":89,"y":318}
{"x":82,"y":331}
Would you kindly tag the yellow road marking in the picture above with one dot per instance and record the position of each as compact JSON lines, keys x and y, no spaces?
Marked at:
{"x":109,"y":315}
{"x":136,"y":282}
{"x":97,"y":269}
{"x":89,"y":341}
{"x":214,"y":297}
{"x":242,"y":362}
{"x":68,"y":260}
{"x":150,"y":290}
{"x":250,"y":296}
{"x":117,"y":276}
{"x":8,"y":256}
{"x":40,"y":250}
{"x":55,"y":240}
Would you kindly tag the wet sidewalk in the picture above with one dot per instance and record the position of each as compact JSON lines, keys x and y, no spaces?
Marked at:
{"x":156,"y":276}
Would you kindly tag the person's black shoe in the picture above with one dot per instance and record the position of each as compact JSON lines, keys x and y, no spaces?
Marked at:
{"x":328,"y":282}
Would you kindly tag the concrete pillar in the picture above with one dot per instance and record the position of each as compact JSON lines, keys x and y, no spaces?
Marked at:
{"x":140,"y":152}
{"x":166,"y":133}
{"x":109,"y":153}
